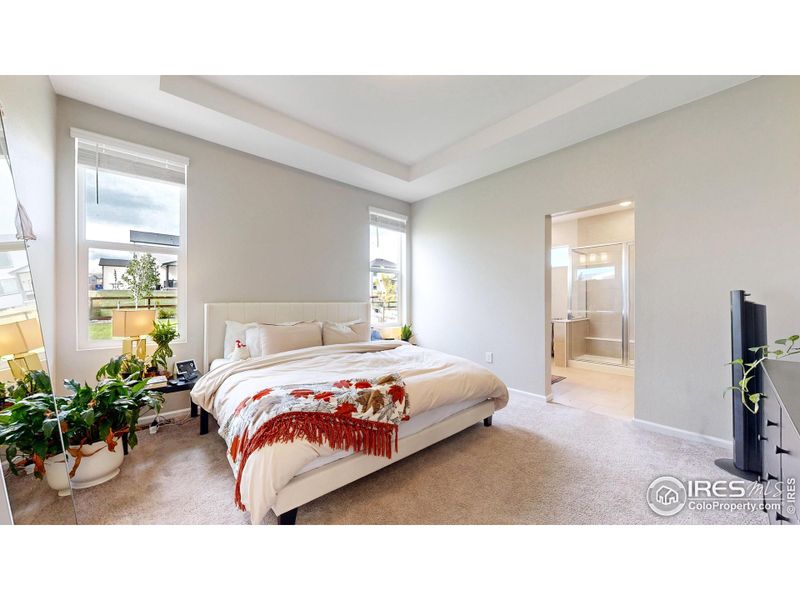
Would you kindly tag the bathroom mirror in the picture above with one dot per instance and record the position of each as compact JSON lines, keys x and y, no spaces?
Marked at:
{"x":32,"y":490}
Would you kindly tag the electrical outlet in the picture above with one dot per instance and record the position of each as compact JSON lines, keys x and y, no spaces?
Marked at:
{"x":490,"y":357}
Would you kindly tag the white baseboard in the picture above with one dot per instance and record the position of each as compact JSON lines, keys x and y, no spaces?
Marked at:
{"x":172,"y":414}
{"x":684,"y":434}
{"x":523,"y":395}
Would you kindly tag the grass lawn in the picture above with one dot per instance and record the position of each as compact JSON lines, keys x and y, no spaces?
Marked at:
{"x":100,"y":330}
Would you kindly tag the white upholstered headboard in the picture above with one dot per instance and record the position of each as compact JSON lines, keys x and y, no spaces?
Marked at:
{"x":270,"y":312}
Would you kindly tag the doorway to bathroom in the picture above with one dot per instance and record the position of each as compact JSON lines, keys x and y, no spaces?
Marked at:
{"x":593,"y":353}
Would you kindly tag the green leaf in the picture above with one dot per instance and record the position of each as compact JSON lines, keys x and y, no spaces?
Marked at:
{"x":794,"y":337}
{"x":49,"y":426}
{"x":88,"y":416}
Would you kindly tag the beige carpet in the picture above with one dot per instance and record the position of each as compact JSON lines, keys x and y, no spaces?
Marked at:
{"x":539,"y":464}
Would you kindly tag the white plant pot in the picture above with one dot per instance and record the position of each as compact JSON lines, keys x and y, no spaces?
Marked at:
{"x":56,"y":474}
{"x":103,"y":465}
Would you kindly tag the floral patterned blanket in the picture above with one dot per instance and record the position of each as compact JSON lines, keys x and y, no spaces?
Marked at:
{"x":361,"y":415}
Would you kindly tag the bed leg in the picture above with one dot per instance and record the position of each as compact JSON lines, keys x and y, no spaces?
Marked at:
{"x":487,"y":422}
{"x":203,"y":421}
{"x":288,"y":518}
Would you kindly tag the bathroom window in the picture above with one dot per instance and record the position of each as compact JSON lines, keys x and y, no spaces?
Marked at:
{"x":559,"y":256}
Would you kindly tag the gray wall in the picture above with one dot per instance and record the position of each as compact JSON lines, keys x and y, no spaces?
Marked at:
{"x":258,"y":231}
{"x":717,"y":191}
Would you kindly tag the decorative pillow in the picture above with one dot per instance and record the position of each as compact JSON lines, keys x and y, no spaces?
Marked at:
{"x":241,"y":352}
{"x":345,"y":333}
{"x":282,"y":338}
{"x":234,"y":330}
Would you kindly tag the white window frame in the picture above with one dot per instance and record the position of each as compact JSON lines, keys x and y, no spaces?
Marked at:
{"x":402,"y":294}
{"x":83,"y":245}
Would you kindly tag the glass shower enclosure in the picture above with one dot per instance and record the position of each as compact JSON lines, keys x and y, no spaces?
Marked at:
{"x":601,"y":282}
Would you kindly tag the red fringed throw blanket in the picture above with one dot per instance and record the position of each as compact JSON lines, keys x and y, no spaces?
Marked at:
{"x":361,"y":415}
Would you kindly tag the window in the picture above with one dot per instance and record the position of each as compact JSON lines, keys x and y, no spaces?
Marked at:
{"x":559,"y":256}
{"x":130,"y":200}
{"x":387,"y":262}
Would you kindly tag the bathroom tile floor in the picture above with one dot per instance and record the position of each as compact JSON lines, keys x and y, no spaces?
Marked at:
{"x":603,"y":393}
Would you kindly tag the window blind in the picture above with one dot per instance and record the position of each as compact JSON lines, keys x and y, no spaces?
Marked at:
{"x":107,"y":158}
{"x":385,"y":222}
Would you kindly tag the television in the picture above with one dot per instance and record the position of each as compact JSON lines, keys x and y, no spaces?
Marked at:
{"x":748,"y":330}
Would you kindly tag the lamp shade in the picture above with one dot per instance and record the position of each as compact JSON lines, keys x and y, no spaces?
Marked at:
{"x":32,"y":332}
{"x":132,"y":323}
{"x":11,"y":340}
{"x":20,"y":337}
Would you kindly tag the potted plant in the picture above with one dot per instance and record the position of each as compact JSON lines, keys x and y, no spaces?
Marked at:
{"x":405,"y":332}
{"x":29,"y":429}
{"x":163,"y":334}
{"x":97,"y":417}
{"x":90,"y":424}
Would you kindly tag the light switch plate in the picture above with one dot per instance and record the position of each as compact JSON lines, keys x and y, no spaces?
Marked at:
{"x":490,"y":357}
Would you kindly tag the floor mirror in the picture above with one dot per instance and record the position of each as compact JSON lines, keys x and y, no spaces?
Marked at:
{"x":35,"y":483}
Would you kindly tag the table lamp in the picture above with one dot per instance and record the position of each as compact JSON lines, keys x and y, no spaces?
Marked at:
{"x":133,"y":325}
{"x":21,"y":339}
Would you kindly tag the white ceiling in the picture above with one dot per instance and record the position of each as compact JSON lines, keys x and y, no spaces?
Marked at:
{"x":404,"y":136}
{"x":405,"y":119}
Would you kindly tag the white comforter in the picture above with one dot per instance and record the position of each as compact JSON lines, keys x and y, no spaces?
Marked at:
{"x":432,"y":379}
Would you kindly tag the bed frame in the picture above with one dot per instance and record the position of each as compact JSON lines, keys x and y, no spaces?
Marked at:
{"x":311,"y":485}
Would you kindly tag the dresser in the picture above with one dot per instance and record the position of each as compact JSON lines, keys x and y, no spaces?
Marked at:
{"x":780,"y":440}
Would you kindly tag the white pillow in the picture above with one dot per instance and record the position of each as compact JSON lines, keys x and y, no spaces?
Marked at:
{"x":282,"y":338}
{"x":252,"y":341}
{"x":253,"y":337}
{"x":345,"y":333}
{"x":234,"y":330}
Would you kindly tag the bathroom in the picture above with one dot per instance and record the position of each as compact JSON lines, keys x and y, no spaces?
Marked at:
{"x":592,"y":306}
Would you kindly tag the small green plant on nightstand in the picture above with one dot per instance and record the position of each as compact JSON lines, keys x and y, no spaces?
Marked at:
{"x":762,"y":353}
{"x":163,"y":334}
{"x":406,"y":333}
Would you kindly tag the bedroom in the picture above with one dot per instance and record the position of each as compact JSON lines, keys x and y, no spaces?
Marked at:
{"x":329,"y":299}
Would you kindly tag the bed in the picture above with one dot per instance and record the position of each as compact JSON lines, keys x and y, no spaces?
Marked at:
{"x":446,"y":394}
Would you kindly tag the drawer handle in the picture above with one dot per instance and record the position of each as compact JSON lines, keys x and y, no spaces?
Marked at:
{"x":771,"y":477}
{"x":780,"y":517}
{"x":771,"y":423}
{"x":779,"y":450}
